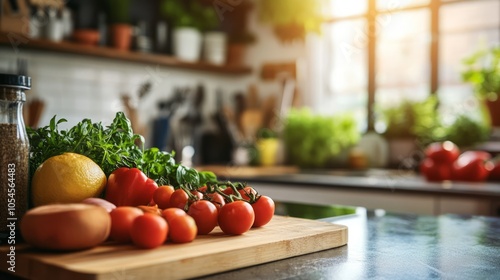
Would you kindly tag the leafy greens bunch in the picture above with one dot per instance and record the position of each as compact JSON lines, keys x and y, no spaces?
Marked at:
{"x":313,"y":141}
{"x":112,"y":147}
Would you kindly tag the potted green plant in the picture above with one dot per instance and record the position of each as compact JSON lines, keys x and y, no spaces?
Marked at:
{"x":118,"y":12}
{"x":316,"y":141}
{"x":483,"y":72}
{"x":410,"y":124}
{"x":466,"y":132}
{"x":237,"y":47}
{"x":292,"y":19}
{"x":235,"y":24}
{"x":189,"y":19}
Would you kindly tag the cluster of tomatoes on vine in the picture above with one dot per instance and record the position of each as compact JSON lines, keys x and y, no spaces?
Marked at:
{"x":234,"y":207}
{"x":148,"y":215}
{"x":179,"y":215}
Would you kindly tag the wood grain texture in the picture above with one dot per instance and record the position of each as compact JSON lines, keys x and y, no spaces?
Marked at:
{"x":282,"y":238}
{"x":22,"y":42}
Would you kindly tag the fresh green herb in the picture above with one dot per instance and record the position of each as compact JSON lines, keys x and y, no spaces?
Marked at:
{"x":413,"y":119}
{"x":112,"y":147}
{"x":483,"y":72}
{"x":466,"y":132}
{"x":313,"y":141}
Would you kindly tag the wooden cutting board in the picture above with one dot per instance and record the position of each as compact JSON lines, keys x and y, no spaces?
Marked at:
{"x":282,"y":238}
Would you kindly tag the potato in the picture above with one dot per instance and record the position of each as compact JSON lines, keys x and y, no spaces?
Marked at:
{"x":100,"y":202}
{"x":66,"y":227}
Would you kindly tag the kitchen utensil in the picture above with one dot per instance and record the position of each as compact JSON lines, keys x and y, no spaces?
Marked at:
{"x":218,"y":144}
{"x":131,"y":107}
{"x":228,"y":119}
{"x":131,"y":112}
{"x":287,"y":97}
{"x":240,"y":107}
{"x":251,"y":122}
{"x":269,"y":112}
{"x":251,"y":117}
{"x":282,"y":238}
{"x":252,"y":100}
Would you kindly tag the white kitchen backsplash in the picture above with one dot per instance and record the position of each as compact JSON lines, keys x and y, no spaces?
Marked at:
{"x":76,"y":87}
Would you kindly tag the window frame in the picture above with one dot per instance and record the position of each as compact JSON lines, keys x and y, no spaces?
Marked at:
{"x":370,"y":16}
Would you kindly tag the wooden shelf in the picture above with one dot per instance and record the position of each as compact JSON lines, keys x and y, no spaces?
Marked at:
{"x":130,"y":56}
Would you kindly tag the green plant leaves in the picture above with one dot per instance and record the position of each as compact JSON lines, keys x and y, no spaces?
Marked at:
{"x":466,"y":132}
{"x":111,"y":147}
{"x":413,"y":119}
{"x":190,"y":14}
{"x":483,"y":72}
{"x":313,"y":140}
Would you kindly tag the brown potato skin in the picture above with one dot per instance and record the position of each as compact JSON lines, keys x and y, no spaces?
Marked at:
{"x":100,"y":202}
{"x":66,"y":227}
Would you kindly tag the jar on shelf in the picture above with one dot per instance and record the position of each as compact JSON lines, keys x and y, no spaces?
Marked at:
{"x":14,"y":155}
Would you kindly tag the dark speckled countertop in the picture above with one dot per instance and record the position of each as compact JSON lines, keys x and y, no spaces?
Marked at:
{"x":374,"y":179}
{"x":393,"y":246}
{"x":387,"y":246}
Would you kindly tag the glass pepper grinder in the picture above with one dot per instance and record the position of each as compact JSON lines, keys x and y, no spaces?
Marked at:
{"x":14,"y":156}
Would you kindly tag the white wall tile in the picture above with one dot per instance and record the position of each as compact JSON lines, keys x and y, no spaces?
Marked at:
{"x":77,"y":87}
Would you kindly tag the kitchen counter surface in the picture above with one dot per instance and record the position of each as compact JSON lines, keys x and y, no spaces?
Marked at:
{"x":375,"y":179}
{"x":392,"y":246}
{"x":389,"y":246}
{"x":397,"y":191}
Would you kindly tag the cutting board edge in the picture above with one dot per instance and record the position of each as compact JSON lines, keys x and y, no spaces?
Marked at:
{"x":336,"y":234}
{"x":220,"y":268}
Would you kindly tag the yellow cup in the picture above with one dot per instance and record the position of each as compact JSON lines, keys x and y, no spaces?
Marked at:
{"x":268,"y":151}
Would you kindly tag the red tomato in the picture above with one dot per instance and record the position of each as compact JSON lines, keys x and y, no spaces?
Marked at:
{"x":161,"y":196}
{"x":264,"y":211}
{"x":198,"y":194}
{"x":435,"y":172}
{"x":178,"y":199}
{"x":228,"y":191}
{"x":495,"y":172}
{"x":472,"y":166}
{"x":236,"y":217}
{"x":247,"y":190}
{"x":442,"y":152}
{"x":171,"y":213}
{"x":202,"y":189}
{"x":121,"y":222}
{"x":150,"y":209}
{"x":204,"y":214}
{"x":149,"y":231}
{"x":217,"y":200}
{"x":182,"y":229}
{"x":243,"y":192}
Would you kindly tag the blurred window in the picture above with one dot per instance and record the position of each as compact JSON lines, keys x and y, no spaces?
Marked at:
{"x":465,"y":27}
{"x":379,"y":52}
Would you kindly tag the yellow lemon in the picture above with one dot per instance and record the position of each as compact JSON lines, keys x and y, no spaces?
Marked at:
{"x":67,"y":178}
